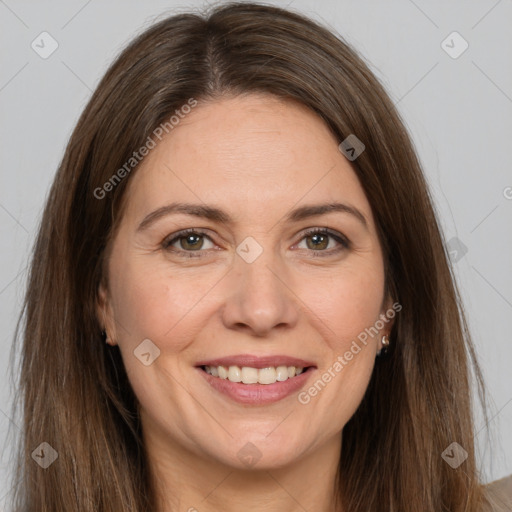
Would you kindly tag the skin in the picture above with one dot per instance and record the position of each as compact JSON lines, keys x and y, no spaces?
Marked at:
{"x":257,"y":158}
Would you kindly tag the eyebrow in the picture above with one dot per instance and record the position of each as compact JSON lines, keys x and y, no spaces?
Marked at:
{"x":218,"y":215}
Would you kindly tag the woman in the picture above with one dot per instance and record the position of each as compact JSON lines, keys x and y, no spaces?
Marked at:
{"x":240,"y":296}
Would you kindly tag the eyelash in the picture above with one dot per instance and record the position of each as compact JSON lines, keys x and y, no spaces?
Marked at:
{"x":344,"y":243}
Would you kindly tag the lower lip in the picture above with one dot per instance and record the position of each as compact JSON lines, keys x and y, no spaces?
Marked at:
{"x":258,"y":394}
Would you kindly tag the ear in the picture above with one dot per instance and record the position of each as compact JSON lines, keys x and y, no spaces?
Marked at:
{"x":104,"y":313}
{"x":388,"y":314}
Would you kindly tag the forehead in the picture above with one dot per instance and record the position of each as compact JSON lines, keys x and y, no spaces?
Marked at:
{"x":253,"y":153}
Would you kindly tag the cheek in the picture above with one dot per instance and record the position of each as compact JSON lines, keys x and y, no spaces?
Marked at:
{"x":348,"y":303}
{"x":350,"y":306}
{"x":151,"y":300}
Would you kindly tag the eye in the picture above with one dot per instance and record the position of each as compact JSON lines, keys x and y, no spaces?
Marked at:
{"x":320,"y":241}
{"x":189,"y":241}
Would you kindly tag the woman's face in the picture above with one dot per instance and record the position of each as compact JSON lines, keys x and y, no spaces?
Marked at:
{"x":247,"y":287}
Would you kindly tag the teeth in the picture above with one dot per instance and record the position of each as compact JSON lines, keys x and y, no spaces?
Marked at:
{"x":249,"y":375}
{"x":282,"y":373}
{"x":234,"y":374}
{"x":266,"y":376}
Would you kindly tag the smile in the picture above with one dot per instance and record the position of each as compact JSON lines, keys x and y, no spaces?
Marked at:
{"x":256,"y":380}
{"x":249,"y":375}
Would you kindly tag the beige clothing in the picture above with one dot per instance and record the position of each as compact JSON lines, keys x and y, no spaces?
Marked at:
{"x":500,"y":495}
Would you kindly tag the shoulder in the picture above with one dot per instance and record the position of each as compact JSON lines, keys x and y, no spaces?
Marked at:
{"x":499,"y":495}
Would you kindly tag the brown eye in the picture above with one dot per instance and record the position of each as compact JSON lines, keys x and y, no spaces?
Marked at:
{"x":319,"y":240}
{"x":192,"y":242}
{"x":186,"y":242}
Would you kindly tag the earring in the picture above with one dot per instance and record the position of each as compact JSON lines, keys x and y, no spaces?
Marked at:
{"x":384,"y":346}
{"x":106,"y":338}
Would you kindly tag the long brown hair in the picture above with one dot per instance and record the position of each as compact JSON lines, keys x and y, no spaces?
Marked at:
{"x":74,"y":391}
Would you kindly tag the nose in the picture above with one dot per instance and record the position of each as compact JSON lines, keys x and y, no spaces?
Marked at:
{"x":260,"y":298}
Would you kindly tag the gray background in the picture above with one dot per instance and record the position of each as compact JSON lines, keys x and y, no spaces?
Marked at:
{"x":458,"y":111}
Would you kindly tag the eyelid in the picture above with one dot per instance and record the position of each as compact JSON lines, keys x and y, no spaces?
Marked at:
{"x":342,"y":240}
{"x":173,"y":237}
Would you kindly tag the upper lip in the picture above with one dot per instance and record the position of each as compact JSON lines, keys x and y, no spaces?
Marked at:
{"x":254,"y":361}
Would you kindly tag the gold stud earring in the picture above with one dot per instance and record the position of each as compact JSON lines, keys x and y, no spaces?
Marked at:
{"x":384,"y":346}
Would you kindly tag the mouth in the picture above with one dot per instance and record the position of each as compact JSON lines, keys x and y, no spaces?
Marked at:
{"x":256,"y":380}
{"x":250,"y":375}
